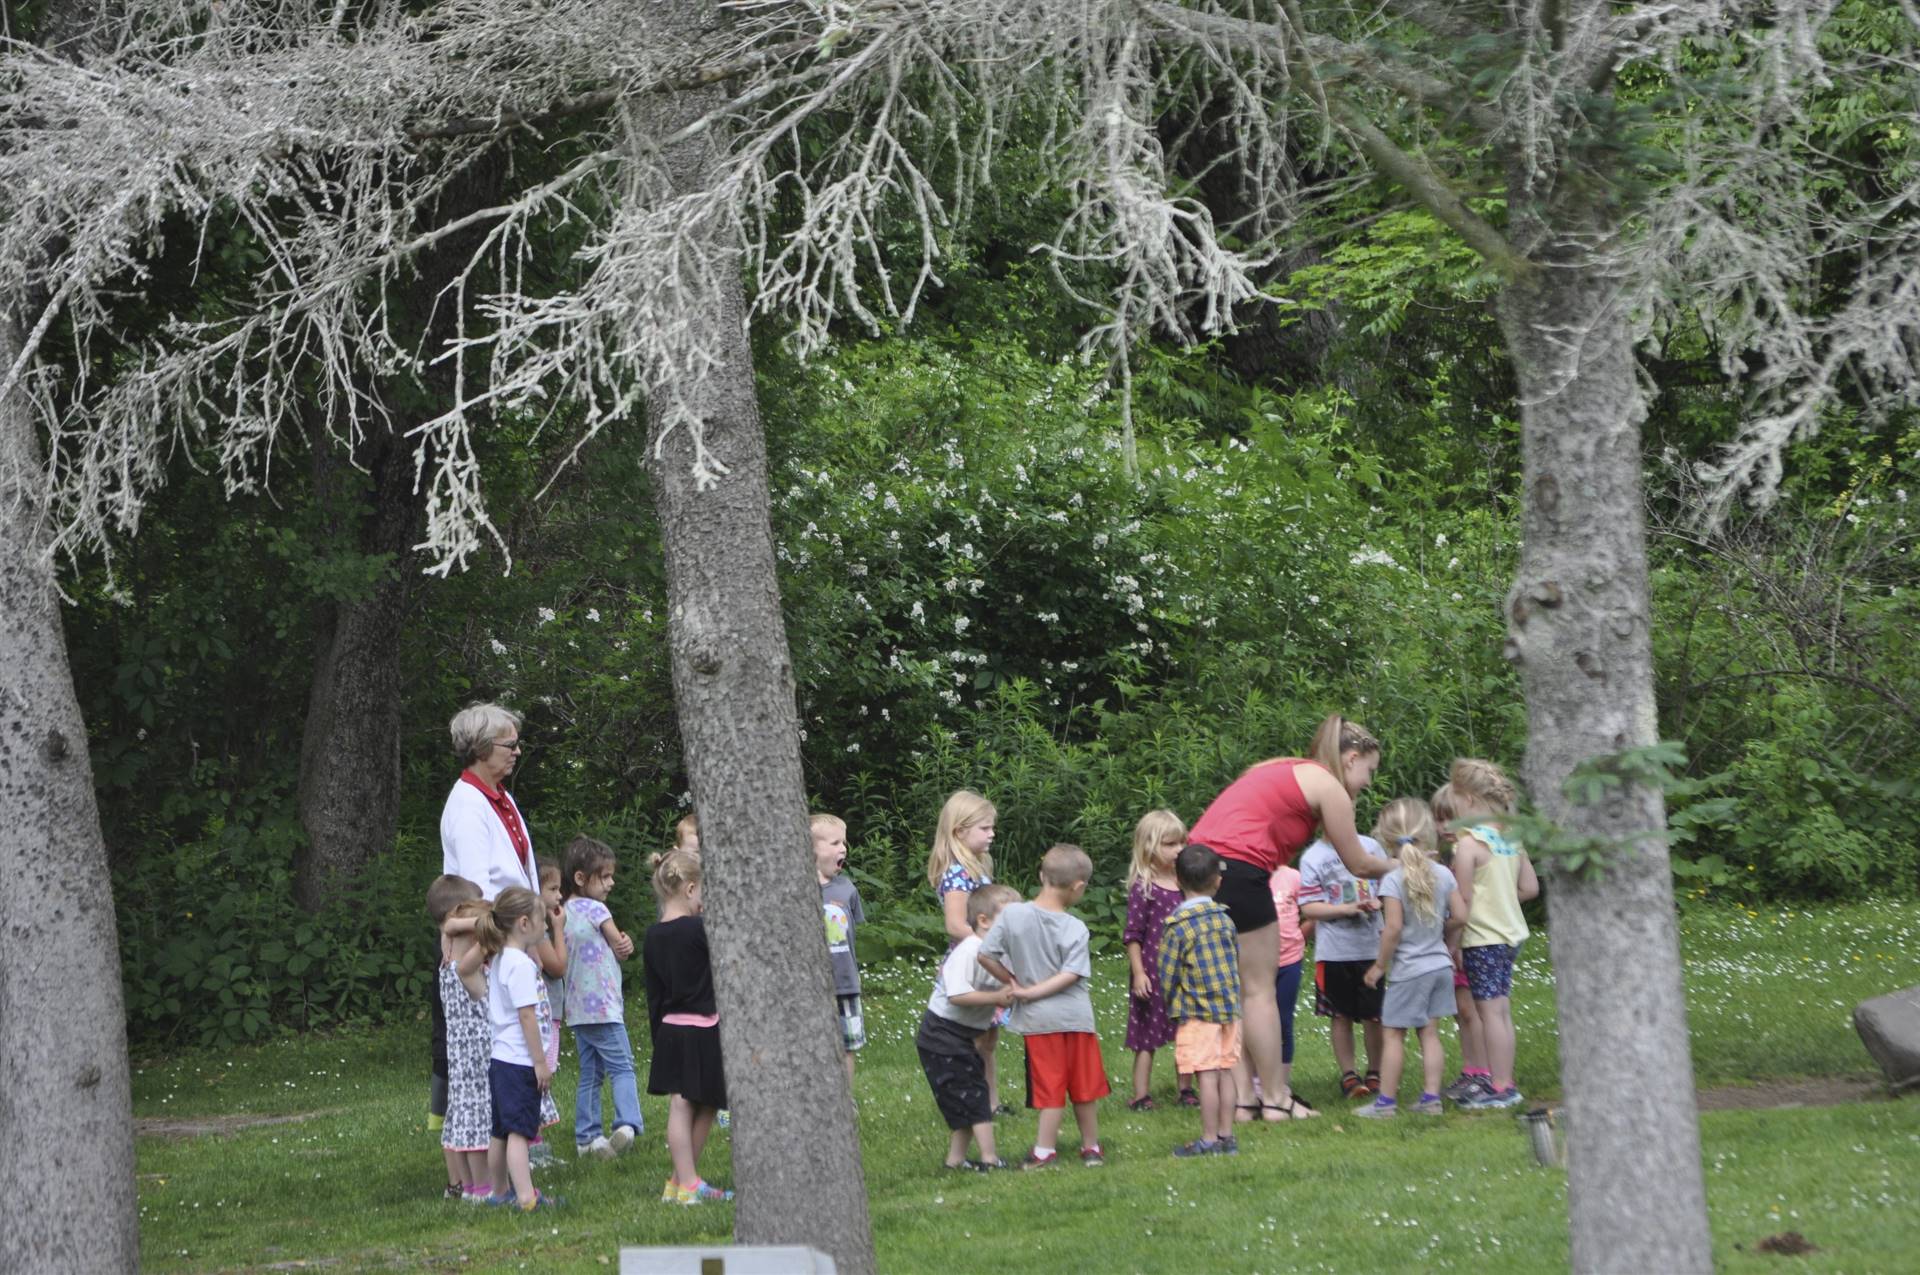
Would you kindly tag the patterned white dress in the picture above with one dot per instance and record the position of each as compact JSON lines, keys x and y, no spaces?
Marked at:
{"x":469,"y":1125}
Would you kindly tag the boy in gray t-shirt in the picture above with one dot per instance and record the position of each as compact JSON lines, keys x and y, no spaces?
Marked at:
{"x":1039,"y":949}
{"x":840,"y":908}
{"x":1346,"y":917}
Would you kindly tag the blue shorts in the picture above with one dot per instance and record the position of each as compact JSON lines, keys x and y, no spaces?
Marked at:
{"x":1489,"y":970}
{"x":516,"y":1099}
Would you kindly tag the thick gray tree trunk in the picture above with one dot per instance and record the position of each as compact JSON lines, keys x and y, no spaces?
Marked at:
{"x":1579,"y":618}
{"x":66,"y":1127}
{"x":796,"y":1143}
{"x":350,"y":748}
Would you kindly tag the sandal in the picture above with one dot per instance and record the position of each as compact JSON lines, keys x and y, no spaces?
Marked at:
{"x":1351,"y":1086}
{"x":1292,"y":1109}
{"x":1189,"y":1098}
{"x":1143,"y":1103}
{"x":1241,"y":1107}
{"x":1372,"y":1082}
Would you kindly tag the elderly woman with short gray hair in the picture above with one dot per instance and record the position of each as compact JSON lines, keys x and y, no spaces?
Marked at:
{"x":482,"y":836}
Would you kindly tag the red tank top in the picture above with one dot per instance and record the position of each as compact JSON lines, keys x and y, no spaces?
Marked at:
{"x":1262,"y":818}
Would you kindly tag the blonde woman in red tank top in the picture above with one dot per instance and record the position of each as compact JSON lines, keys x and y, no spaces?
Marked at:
{"x":1262,"y":820}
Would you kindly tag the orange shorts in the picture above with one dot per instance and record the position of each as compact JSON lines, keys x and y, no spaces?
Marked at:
{"x":1199,"y":1046}
{"x":1063,"y":1066}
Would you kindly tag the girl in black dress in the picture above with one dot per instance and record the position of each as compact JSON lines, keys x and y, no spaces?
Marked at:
{"x":686,"y":1026}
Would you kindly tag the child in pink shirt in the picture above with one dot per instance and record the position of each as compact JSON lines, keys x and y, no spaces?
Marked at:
{"x":1286,"y":981}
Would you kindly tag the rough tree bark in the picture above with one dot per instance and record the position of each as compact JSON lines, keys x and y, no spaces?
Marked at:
{"x":65,"y":1097}
{"x":350,"y":748}
{"x":1579,"y":620}
{"x":796,"y":1146}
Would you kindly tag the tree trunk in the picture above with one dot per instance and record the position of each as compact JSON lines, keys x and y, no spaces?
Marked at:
{"x":65,"y":1097}
{"x":350,"y":749}
{"x":1579,"y":618}
{"x":796,"y":1146}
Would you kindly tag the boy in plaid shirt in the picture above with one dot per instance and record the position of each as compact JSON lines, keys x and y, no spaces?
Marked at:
{"x":1200,"y":977}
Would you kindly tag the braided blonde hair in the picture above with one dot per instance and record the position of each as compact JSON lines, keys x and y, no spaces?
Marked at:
{"x":1405,"y":828}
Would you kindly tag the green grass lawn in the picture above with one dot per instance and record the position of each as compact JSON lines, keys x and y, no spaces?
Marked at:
{"x":356,"y":1185}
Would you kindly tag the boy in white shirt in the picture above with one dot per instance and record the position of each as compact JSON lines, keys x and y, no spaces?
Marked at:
{"x":960,"y":1009}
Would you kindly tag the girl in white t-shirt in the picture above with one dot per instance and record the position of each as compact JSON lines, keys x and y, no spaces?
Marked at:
{"x":517,"y":1073}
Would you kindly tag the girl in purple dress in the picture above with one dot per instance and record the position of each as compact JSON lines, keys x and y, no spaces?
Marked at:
{"x":1152,"y":895}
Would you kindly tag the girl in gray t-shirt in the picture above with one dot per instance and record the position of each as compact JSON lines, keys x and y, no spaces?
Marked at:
{"x":1417,"y":917}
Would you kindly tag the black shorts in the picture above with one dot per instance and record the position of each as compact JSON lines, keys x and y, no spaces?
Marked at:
{"x":1247,"y":895}
{"x":516,"y":1099}
{"x":1340,"y":991}
{"x":956,"y":1072}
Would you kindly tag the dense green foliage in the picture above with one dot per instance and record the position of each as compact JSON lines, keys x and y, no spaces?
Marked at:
{"x":979,"y":593}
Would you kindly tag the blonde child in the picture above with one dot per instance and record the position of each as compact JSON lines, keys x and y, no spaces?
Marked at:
{"x":454,"y":902}
{"x":1474,"y":1076}
{"x":518,"y":1077}
{"x":1040,"y":950}
{"x":596,"y":1002}
{"x":686,"y":1025}
{"x":1200,"y":970}
{"x":1153,"y":892}
{"x":1418,"y":920}
{"x":964,"y":999}
{"x":961,"y":862}
{"x":686,"y":834}
{"x":843,"y":913}
{"x":1495,"y":877}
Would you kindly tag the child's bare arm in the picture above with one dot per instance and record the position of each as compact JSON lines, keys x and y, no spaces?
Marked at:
{"x":530,"y":1028}
{"x":1052,"y":985}
{"x":996,"y":997}
{"x":551,"y":952}
{"x":999,"y":971}
{"x":470,"y":962}
{"x":457,"y":925}
{"x":1329,"y":911}
{"x":1393,"y":919}
{"x":1528,"y":884}
{"x":1141,"y":986}
{"x":621,"y":945}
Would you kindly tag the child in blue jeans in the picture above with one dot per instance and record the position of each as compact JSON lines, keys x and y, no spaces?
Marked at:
{"x":596,"y":1008}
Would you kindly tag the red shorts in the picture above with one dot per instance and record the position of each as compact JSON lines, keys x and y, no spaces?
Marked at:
{"x":1063,"y":1066}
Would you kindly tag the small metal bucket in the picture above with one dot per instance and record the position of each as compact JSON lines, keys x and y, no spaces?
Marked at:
{"x":1541,"y":1128}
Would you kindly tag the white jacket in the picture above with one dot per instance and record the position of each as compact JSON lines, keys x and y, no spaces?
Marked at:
{"x":474,"y":844}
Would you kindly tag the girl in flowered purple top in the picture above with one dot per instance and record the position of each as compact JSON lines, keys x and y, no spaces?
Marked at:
{"x":596,"y":1003}
{"x":961,"y":862}
{"x":1152,"y":895}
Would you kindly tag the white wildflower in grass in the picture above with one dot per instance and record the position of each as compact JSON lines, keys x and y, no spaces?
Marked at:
{"x":547,"y":615}
{"x":918,"y":613}
{"x":499,"y":647}
{"x":961,"y":624}
{"x":593,"y":614}
{"x":1367,"y":556}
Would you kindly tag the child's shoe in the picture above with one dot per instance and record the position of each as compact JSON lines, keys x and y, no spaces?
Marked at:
{"x":622,"y":1137}
{"x":672,"y":1192}
{"x":1493,"y":1099}
{"x":1189,"y":1098}
{"x":1378,"y":1109}
{"x":1092,"y":1157}
{"x":1429,"y":1105}
{"x":1372,"y":1082}
{"x":454,"y":1191}
{"x":1351,"y":1086}
{"x":1227,"y":1145}
{"x":703,"y":1193}
{"x":599,"y":1148}
{"x":540,"y":1200}
{"x":1464,"y":1088}
{"x":1198,"y":1147}
{"x":1033,"y":1161}
{"x":1143,"y":1103}
{"x":500,"y":1201}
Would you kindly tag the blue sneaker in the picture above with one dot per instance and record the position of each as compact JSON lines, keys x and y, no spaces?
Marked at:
{"x":1378,"y":1109}
{"x":1198,"y":1147}
{"x":1494,"y":1099}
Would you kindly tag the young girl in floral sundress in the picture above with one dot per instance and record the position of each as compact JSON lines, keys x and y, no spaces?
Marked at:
{"x":1152,"y":895}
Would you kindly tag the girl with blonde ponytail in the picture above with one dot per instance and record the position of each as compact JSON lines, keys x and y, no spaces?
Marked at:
{"x":1419,"y":916}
